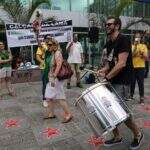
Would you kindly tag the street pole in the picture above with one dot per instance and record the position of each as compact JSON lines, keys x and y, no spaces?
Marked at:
{"x":89,"y":46}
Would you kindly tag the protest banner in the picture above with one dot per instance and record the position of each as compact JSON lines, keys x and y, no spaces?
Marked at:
{"x":19,"y":34}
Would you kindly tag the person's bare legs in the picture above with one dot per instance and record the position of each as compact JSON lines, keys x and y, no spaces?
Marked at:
{"x":65,"y":107}
{"x":131,"y":125}
{"x":50,"y":108}
{"x":9,"y":86}
{"x":2,"y":87}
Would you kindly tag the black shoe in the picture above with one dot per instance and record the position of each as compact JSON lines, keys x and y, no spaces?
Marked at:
{"x":136,"y":142}
{"x":79,"y":85}
{"x":68,"y":86}
{"x":112,"y":142}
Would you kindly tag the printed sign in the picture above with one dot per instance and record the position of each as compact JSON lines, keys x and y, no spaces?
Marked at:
{"x":23,"y":35}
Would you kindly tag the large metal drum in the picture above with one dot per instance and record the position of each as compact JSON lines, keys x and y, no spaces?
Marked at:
{"x":103,"y":108}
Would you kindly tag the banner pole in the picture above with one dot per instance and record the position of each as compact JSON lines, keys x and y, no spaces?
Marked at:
{"x":32,"y":55}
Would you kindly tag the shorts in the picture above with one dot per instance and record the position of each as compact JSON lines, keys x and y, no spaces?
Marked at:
{"x":124,"y":92}
{"x":56,"y":92}
{"x":5,"y":72}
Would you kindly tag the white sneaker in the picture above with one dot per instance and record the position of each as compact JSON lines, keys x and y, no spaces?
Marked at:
{"x":45,"y":104}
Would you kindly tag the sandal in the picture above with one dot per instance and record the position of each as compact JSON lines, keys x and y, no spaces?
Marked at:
{"x":49,"y":117}
{"x":67,"y":118}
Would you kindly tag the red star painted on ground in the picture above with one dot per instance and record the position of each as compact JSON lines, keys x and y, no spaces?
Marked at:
{"x":96,"y":141}
{"x":146,"y":108}
{"x":146,"y":124}
{"x":11,"y":123}
{"x":51,"y":132}
{"x":146,"y":97}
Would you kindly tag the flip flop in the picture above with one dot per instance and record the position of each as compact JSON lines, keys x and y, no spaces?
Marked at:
{"x":49,"y":117}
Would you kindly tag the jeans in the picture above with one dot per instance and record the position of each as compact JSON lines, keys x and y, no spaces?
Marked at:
{"x":44,"y":83}
{"x":146,"y":69}
{"x":139,"y":77}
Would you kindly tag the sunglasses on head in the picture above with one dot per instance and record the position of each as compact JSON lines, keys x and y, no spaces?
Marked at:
{"x":108,"y":24}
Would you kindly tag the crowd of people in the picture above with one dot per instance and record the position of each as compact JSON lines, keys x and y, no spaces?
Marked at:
{"x":123,"y":64}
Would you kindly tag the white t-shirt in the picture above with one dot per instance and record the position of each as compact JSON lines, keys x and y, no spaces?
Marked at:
{"x":75,"y":53}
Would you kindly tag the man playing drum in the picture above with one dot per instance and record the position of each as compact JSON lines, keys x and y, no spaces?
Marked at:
{"x":118,"y":70}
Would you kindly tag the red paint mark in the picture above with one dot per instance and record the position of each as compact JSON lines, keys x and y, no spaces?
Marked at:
{"x":51,"y":132}
{"x":145,"y":108}
{"x":146,"y":124}
{"x":11,"y":123}
{"x":96,"y":141}
{"x":146,"y":97}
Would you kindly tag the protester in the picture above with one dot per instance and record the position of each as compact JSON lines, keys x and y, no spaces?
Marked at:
{"x":37,"y":24}
{"x":139,"y":54}
{"x":54,"y":89}
{"x":40,"y":57}
{"x":5,"y":69}
{"x":75,"y":59}
{"x":118,"y":70}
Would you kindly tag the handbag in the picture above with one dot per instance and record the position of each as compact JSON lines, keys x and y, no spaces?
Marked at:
{"x":65,"y":71}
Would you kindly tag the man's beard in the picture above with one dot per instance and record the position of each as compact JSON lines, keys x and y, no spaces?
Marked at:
{"x":110,"y":32}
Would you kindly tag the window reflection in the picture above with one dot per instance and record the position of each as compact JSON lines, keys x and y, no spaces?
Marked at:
{"x":79,"y":5}
{"x":60,"y":5}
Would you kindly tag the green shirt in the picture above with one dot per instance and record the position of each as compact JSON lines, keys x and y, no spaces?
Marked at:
{"x":4,"y":55}
{"x":48,"y":57}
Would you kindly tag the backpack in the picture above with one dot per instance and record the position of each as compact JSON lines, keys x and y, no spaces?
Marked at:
{"x":89,"y":78}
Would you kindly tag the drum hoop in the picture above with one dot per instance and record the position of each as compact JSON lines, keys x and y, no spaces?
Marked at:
{"x":98,"y":84}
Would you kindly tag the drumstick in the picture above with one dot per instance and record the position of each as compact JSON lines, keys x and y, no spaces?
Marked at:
{"x":93,"y":72}
{"x":90,"y":70}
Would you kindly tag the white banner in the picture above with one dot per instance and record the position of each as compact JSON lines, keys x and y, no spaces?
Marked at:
{"x":23,"y":35}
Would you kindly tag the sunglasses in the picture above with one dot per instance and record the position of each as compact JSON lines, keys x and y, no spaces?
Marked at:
{"x":49,"y":44}
{"x":108,"y":24}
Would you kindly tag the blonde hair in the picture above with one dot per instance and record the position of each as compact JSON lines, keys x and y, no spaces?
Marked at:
{"x":55,"y":42}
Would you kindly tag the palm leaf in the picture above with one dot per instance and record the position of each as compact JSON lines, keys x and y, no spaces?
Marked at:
{"x":18,"y":12}
{"x":120,"y":7}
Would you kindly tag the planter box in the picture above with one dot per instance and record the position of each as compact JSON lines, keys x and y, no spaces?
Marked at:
{"x":26,"y":75}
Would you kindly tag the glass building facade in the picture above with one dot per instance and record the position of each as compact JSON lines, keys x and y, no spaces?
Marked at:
{"x":101,"y":8}
{"x":69,"y":5}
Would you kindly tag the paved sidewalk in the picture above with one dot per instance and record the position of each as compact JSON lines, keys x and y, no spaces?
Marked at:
{"x":22,"y":126}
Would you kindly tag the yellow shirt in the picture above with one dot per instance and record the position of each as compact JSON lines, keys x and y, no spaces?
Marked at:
{"x":139,"y":53}
{"x":41,"y":52}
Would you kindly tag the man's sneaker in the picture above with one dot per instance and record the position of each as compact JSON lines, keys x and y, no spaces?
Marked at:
{"x":79,"y":85}
{"x":68,"y":86}
{"x":45,"y":104}
{"x":136,"y":142}
{"x":130,"y":98}
{"x":112,"y":142}
{"x":142,"y":101}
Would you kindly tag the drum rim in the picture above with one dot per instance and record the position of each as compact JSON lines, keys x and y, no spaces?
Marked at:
{"x":88,"y":90}
{"x":93,"y":87}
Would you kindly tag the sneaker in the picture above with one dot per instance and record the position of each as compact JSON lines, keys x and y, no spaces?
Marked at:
{"x":45,"y":103}
{"x":137,"y":142}
{"x":142,"y":101}
{"x":130,"y":98}
{"x":79,"y":85}
{"x":68,"y":86}
{"x":112,"y":142}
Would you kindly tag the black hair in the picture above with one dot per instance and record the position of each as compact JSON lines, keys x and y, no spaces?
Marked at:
{"x":117,"y":21}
